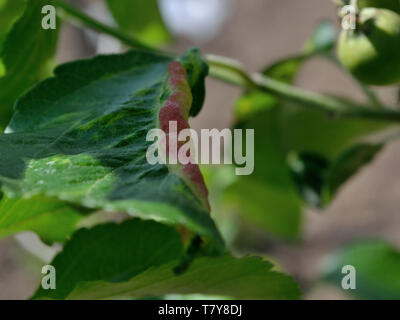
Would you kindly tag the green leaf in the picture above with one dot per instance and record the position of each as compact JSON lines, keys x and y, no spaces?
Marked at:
{"x":138,"y":260}
{"x":318,"y":179}
{"x":245,"y":278}
{"x":114,"y":253}
{"x":312,"y":131}
{"x":2,"y":69}
{"x":386,"y":4}
{"x":285,"y":70}
{"x":306,"y":130}
{"x":25,"y":55}
{"x":322,"y":40}
{"x":323,"y":162}
{"x":267,"y":197}
{"x":347,"y":164}
{"x":283,"y":129}
{"x":51,"y":219}
{"x":309,"y":172}
{"x":197,"y":71}
{"x":81,"y":137}
{"x":274,"y":209}
{"x":142,"y":19}
{"x":377,"y":266}
{"x":10,"y":10}
{"x":252,"y":103}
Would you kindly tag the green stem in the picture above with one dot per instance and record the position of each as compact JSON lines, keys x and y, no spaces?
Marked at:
{"x":325,"y":103}
{"x":82,"y":18}
{"x":372,"y":97}
{"x":230,"y":71}
{"x":354,"y":4}
{"x":368,"y":92}
{"x":333,"y":106}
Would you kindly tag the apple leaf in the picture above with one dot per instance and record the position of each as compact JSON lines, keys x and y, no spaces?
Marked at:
{"x":10,"y":10}
{"x":318,"y":179}
{"x":138,"y":259}
{"x":266,"y":198}
{"x":51,"y":219}
{"x":376,"y":265}
{"x":320,"y":43}
{"x":81,"y":137}
{"x":24,"y":56}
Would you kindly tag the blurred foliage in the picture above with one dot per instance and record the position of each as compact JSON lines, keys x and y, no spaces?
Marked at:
{"x":141,"y":19}
{"x":10,"y":10}
{"x":300,"y":153}
{"x":320,"y":43}
{"x":322,"y":40}
{"x":25,"y":56}
{"x":266,"y":197}
{"x":51,"y":219}
{"x":377,"y":266}
{"x":318,"y":179}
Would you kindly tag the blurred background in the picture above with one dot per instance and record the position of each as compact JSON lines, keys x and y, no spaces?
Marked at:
{"x":257,"y":33}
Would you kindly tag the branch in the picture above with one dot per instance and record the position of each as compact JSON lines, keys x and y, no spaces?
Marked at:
{"x":230,"y":71}
{"x":78,"y":17}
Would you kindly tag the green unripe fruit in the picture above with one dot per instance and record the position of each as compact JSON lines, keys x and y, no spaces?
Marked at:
{"x":393,"y":5}
{"x":372,"y":51}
